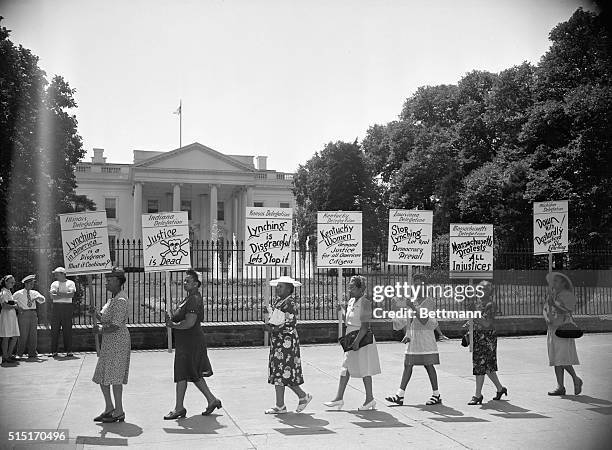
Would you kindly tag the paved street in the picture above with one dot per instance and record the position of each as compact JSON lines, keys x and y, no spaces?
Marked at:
{"x":59,"y":394}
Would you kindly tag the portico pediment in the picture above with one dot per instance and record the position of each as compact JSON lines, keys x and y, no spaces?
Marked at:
{"x":194,"y":157}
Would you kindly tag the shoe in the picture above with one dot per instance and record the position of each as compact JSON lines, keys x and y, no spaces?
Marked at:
{"x":434,"y":400}
{"x":69,"y":355}
{"x":53,"y":355}
{"x":276,"y":410}
{"x":175,"y":414}
{"x":476,"y":400}
{"x":371,"y":405}
{"x":338,"y":404}
{"x":15,"y":358}
{"x":303,"y":403}
{"x":499,"y":394}
{"x":210,"y":408}
{"x":103,"y":415}
{"x":558,"y":391}
{"x":578,"y":387}
{"x":396,"y":399}
{"x":111,"y":418}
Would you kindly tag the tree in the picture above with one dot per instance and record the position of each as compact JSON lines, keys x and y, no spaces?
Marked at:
{"x":39,"y":150}
{"x":337,"y":178}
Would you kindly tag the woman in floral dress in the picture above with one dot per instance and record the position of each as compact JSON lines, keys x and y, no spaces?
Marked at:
{"x":114,"y":361}
{"x":484,"y":356}
{"x":285,"y":366}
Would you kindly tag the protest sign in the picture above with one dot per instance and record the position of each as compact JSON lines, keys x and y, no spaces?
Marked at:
{"x":85,"y":243}
{"x":165,"y":241}
{"x":471,"y":250}
{"x":410,"y":237}
{"x":550,"y":225}
{"x":268,"y":236}
{"x":339,"y":239}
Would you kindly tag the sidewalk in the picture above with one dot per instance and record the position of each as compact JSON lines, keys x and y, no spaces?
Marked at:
{"x":59,"y":394}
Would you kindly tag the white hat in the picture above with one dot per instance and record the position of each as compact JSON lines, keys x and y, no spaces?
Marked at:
{"x":28,"y":278}
{"x":59,"y":270}
{"x":285,"y":279}
{"x":550,"y":276}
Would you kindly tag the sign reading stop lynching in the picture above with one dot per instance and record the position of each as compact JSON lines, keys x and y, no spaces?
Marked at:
{"x":471,"y":250}
{"x":410,"y":237}
{"x":268,"y":236}
{"x":165,"y":241}
{"x":550,"y":225}
{"x":85,"y":243}
{"x":339,"y":240}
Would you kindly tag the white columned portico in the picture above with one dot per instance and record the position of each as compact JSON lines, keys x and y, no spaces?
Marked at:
{"x":137,"y":227}
{"x":176,"y":197}
{"x":203,"y":235}
{"x":236,"y":224}
{"x":249,"y":196}
{"x":241,"y":213}
{"x":213,"y":212}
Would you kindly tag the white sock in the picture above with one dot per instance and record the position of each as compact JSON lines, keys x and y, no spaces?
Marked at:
{"x":436,"y":393}
{"x":400,"y":392}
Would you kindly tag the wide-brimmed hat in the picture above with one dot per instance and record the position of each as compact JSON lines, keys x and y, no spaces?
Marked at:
{"x":25,"y":279}
{"x":116,"y":272}
{"x":285,"y":279}
{"x":550,"y":276}
{"x":59,"y":269}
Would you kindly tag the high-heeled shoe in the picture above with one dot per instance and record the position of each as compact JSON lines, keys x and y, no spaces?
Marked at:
{"x":578,"y":386}
{"x":558,"y":391}
{"x":371,"y":405}
{"x":338,"y":404}
{"x":175,"y":414}
{"x":111,"y":418}
{"x":303,"y":403}
{"x":476,"y":400}
{"x":276,"y":410}
{"x":397,"y":399}
{"x":499,"y":394}
{"x":103,"y":415}
{"x":214,"y":405}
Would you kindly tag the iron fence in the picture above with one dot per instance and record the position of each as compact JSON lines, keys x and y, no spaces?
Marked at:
{"x":234,"y":293}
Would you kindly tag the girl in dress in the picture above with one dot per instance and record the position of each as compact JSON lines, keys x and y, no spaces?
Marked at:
{"x":9,"y":325}
{"x":421,"y":347}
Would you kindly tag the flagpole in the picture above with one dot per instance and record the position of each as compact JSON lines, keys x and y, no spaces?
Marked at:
{"x":180,"y":123}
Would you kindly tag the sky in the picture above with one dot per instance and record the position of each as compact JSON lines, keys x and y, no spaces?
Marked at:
{"x":265,"y":77}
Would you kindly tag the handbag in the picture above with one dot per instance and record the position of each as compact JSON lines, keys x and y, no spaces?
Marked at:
{"x":277,"y":317}
{"x":465,"y":339}
{"x":569,"y":330}
{"x":347,"y":340}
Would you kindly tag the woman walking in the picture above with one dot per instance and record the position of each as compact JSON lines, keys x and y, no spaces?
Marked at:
{"x":421,"y":347}
{"x":191,"y":361}
{"x":558,"y":310}
{"x":114,"y":361}
{"x":358,"y":362}
{"x":9,"y":325}
{"x":284,"y":364}
{"x":484,"y":355}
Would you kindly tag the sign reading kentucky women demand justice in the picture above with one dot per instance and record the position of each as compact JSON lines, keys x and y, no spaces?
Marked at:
{"x":471,"y":250}
{"x":268,"y":236}
{"x":339,"y":239}
{"x":410,"y":237}
{"x":165,"y":241}
{"x":85,"y":243}
{"x":550,"y":224}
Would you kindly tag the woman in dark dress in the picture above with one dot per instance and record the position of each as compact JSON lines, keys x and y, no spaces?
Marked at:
{"x":191,"y":359}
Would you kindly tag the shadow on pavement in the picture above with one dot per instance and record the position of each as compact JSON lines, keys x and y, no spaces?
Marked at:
{"x":377,"y":419}
{"x":443,"y":413}
{"x":197,"y":425}
{"x":123,"y":429}
{"x":593,"y":401}
{"x":510,"y":411}
{"x":302,"y":424}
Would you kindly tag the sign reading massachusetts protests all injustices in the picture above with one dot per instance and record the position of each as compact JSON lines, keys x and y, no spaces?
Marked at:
{"x":339,"y":239}
{"x":85,"y":243}
{"x":410,"y":237}
{"x":550,"y":225}
{"x":268,"y":236}
{"x":165,"y":241}
{"x":471,"y":250}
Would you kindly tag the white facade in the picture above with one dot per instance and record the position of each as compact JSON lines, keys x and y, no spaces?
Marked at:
{"x":216,"y":188}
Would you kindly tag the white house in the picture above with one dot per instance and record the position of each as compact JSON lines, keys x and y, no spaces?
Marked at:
{"x":214,"y":188}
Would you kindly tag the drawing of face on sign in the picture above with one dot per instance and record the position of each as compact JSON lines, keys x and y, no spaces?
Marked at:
{"x":174,"y":246}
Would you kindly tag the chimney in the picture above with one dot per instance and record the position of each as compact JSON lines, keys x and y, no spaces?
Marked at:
{"x":261,"y":162}
{"x":98,"y":157}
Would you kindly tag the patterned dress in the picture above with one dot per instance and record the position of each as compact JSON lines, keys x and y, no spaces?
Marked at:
{"x":191,"y":361}
{"x":114,"y":362}
{"x":285,"y":365}
{"x":484,"y":356}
